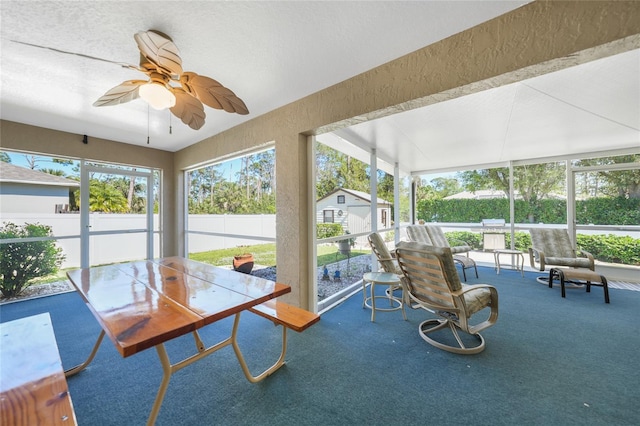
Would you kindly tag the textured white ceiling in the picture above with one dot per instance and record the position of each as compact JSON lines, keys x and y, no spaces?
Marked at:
{"x":268,"y":53}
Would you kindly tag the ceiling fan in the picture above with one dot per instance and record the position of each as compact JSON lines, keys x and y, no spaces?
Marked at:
{"x":168,"y":86}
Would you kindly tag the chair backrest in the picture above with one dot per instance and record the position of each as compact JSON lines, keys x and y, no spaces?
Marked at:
{"x":437,"y":236}
{"x":382,"y":253}
{"x":552,"y":242}
{"x":419,"y":234}
{"x":430,"y":273}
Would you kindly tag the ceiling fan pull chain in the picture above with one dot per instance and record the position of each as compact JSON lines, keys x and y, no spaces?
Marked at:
{"x":147,"y":124}
{"x":170,"y":130}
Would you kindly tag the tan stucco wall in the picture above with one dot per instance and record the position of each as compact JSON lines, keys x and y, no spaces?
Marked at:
{"x":25,"y":138}
{"x":535,"y":39}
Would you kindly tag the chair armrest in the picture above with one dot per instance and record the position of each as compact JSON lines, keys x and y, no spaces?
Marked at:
{"x":427,"y":305}
{"x":584,"y":253}
{"x":461,"y":245}
{"x":459,"y":296}
{"x":471,"y":287}
{"x":533,"y":253}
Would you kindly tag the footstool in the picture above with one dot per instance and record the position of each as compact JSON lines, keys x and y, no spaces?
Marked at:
{"x":579,"y":276}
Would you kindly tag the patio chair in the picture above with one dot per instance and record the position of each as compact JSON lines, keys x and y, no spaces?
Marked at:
{"x":385,"y":257}
{"x":432,"y":284}
{"x":552,"y":247}
{"x":433,"y":235}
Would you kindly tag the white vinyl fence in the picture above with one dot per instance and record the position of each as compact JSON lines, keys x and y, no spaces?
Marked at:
{"x":206,"y":232}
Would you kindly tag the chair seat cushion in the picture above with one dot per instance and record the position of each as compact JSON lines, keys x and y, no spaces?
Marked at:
{"x":577,"y":262}
{"x":477,"y":299}
{"x":460,"y":249}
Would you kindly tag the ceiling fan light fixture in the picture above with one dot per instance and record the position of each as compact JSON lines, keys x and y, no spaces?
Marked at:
{"x":157,"y":95}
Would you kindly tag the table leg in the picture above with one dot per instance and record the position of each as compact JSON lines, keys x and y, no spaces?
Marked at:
{"x":168,"y":368}
{"x":78,"y":368}
{"x":166,"y":376}
{"x":373,"y":301}
{"x":522,"y":265}
{"x":364,"y":293}
{"x":245,"y":369}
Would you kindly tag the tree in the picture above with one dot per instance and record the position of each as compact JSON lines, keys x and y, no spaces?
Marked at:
{"x":4,"y":157}
{"x":620,"y":183}
{"x":106,"y":198}
{"x":531,"y":182}
{"x":337,"y":170}
{"x":437,"y":188}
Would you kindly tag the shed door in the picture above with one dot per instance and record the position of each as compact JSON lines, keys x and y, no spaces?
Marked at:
{"x":359,"y":219}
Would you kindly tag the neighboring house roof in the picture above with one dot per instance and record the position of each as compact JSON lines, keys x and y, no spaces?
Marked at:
{"x":10,"y":173}
{"x":359,"y":194}
{"x":477,"y":195}
{"x":485,"y":194}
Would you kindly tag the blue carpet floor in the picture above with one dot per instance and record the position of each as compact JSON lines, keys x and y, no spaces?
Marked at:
{"x":548,"y":361}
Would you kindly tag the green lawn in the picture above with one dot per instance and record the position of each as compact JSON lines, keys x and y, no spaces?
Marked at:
{"x":265,"y":254}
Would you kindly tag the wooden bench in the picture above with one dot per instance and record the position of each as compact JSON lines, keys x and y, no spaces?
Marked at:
{"x":281,"y":313}
{"x":286,"y":315}
{"x":33,"y":387}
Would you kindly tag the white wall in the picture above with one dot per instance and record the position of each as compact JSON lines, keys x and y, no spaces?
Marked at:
{"x":16,"y":198}
{"x":238,"y":230}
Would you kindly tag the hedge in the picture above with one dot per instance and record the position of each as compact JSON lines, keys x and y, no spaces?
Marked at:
{"x":600,"y":211}
{"x":605,"y":248}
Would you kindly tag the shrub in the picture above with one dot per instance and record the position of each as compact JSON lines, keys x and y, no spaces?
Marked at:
{"x":20,"y":262}
{"x":328,"y":230}
{"x":611,"y":248}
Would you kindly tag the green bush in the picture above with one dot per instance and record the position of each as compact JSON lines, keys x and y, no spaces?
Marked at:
{"x":522,"y":243}
{"x":472,"y":239}
{"x":328,"y":230}
{"x":605,"y":248}
{"x":611,"y":248}
{"x":22,"y":261}
{"x":600,"y":211}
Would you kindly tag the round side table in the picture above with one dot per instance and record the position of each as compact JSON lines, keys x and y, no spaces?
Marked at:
{"x":385,"y":278}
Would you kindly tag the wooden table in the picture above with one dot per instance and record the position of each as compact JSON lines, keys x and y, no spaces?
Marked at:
{"x":144,"y":304}
{"x":33,"y":388}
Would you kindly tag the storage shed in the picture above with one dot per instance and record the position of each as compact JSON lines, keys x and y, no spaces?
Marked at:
{"x":352,"y":209}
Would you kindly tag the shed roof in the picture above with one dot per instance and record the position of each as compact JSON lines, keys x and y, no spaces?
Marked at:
{"x":359,"y":194}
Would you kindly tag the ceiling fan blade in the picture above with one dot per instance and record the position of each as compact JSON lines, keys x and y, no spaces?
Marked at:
{"x":160,"y":51}
{"x":188,"y":109}
{"x":95,"y":58}
{"x":212,"y":93}
{"x":124,"y":92}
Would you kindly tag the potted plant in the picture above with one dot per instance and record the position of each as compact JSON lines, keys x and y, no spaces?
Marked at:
{"x":243,"y":263}
{"x":344,"y":246}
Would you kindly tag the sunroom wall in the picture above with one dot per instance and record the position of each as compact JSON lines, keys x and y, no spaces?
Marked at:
{"x":537,"y":38}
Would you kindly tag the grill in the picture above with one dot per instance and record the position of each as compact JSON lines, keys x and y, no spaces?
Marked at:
{"x":493,"y":231}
